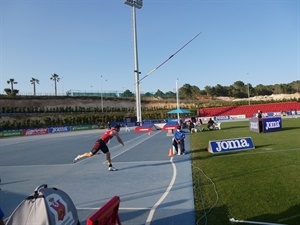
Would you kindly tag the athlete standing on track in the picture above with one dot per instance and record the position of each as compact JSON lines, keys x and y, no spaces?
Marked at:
{"x":101,"y":145}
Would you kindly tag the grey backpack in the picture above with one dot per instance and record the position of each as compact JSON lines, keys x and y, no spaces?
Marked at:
{"x":46,"y":206}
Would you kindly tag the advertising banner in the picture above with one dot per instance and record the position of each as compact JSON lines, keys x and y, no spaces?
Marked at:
{"x":229,"y":145}
{"x":59,"y":129}
{"x":269,"y":124}
{"x":253,"y":124}
{"x":216,"y":118}
{"x":82,"y":127}
{"x":272,"y":124}
{"x":37,"y":131}
{"x":10,"y":133}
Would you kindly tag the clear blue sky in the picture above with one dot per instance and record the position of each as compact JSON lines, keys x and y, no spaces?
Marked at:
{"x":255,"y":41}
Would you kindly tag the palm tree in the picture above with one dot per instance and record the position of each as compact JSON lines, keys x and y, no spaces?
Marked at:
{"x":55,"y":78}
{"x":11,"y":81}
{"x":34,"y":81}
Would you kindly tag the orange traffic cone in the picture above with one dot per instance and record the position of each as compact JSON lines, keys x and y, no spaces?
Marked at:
{"x":171,"y":152}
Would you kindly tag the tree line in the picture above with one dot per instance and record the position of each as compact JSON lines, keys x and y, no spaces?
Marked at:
{"x":238,"y":89}
{"x":34,"y":81}
{"x":32,"y":117}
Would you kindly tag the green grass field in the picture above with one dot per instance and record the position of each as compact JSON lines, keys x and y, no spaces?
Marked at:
{"x":261,"y":184}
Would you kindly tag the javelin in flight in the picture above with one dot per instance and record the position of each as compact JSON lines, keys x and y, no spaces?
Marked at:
{"x":152,"y":71}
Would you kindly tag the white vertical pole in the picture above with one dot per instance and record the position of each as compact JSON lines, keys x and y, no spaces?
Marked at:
{"x":248,"y":90}
{"x":101,"y":95}
{"x":136,"y":4}
{"x":177,"y":101}
{"x":136,"y":69}
{"x":248,"y":94}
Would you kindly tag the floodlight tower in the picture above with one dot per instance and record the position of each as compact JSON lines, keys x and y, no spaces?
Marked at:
{"x":101,"y":95}
{"x":177,"y":101}
{"x":136,"y":4}
{"x":248,"y":91}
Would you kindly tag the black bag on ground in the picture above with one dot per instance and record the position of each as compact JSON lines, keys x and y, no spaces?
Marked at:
{"x":46,"y":206}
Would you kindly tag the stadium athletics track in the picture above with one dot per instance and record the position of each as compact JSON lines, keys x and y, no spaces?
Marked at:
{"x":154,"y":188}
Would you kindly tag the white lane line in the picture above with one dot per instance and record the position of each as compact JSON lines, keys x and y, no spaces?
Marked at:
{"x":152,"y":211}
{"x":131,"y":146}
{"x":143,"y":138}
{"x":38,"y":165}
{"x":119,"y":208}
{"x":134,"y":208}
{"x":143,"y":162}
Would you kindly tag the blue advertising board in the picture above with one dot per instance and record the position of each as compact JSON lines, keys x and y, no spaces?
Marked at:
{"x":269,"y":124}
{"x":272,"y":124}
{"x":229,"y":145}
{"x":59,"y":129}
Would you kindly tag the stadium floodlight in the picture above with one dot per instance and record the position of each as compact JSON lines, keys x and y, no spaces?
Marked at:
{"x":248,"y":91}
{"x":248,"y":94}
{"x":177,"y":101}
{"x":136,"y":4}
{"x":101,"y":95}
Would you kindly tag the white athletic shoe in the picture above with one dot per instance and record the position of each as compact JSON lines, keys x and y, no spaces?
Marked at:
{"x":76,"y":159}
{"x":111,"y":168}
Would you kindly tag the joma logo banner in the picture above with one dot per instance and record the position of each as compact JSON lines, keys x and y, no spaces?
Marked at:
{"x":228,"y":145}
{"x":59,"y":129}
{"x":272,"y":124}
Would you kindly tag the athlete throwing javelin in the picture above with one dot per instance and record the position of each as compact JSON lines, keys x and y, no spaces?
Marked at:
{"x":101,"y":145}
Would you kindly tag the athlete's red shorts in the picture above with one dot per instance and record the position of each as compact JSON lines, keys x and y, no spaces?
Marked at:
{"x":99,"y":145}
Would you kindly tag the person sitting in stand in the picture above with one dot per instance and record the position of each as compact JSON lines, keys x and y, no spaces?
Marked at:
{"x":211,"y":124}
{"x":178,"y":139}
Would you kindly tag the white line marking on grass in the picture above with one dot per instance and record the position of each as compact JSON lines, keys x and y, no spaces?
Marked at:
{"x":253,"y":222}
{"x":152,"y":211}
{"x":256,"y":153}
{"x":202,"y":201}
